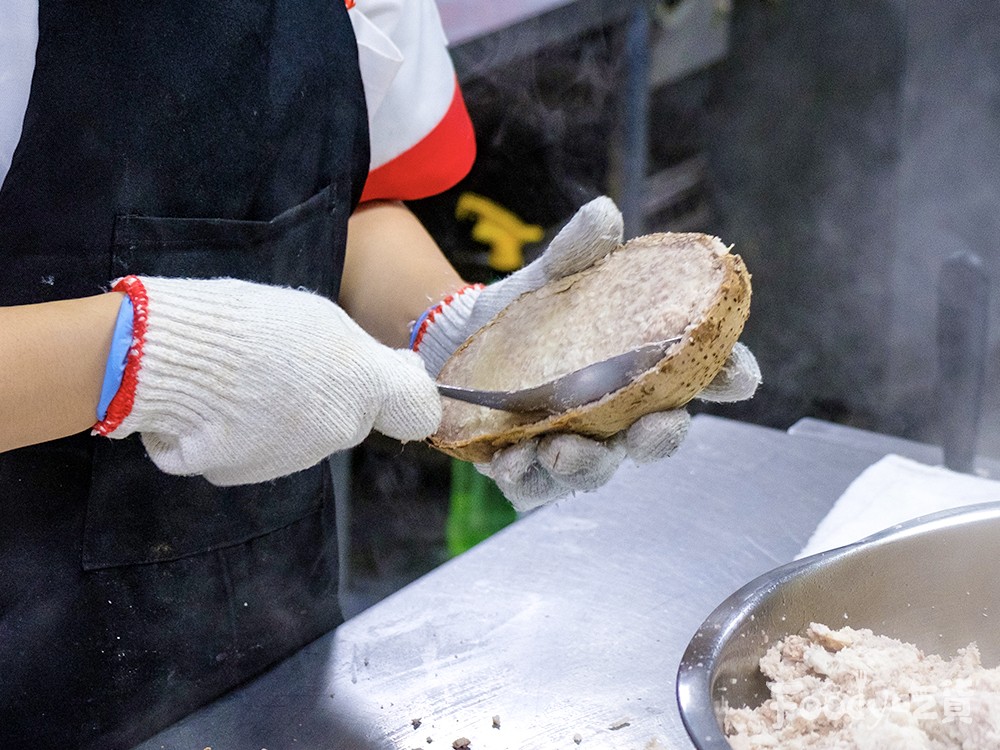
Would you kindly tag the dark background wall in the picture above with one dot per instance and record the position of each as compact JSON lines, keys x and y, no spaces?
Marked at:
{"x":948,"y":188}
{"x":803,"y":131}
{"x":854,"y":148}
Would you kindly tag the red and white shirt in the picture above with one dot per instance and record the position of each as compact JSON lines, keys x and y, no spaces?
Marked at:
{"x":422,"y":141}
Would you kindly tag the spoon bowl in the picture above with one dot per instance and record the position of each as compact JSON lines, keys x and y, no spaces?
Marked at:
{"x":573,"y":389}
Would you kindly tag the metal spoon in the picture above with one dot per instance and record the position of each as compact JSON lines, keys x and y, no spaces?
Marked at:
{"x":573,"y":389}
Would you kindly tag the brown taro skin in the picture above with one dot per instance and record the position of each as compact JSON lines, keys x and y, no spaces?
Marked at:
{"x":652,"y":288}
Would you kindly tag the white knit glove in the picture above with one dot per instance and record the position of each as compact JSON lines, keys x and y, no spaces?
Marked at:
{"x":242,"y":382}
{"x":539,"y":470}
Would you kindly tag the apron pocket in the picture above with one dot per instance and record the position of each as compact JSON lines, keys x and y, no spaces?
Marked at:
{"x":301,"y":247}
{"x":137,"y":514}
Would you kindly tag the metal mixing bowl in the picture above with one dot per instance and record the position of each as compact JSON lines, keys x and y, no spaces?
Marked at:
{"x":933,"y":582}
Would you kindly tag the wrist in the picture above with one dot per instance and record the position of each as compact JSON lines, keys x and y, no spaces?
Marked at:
{"x":441,"y":328}
{"x":114,"y":368}
{"x":122,"y":370}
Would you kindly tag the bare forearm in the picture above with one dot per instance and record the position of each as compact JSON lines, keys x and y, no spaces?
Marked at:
{"x":52,"y":360}
{"x":393,"y":272}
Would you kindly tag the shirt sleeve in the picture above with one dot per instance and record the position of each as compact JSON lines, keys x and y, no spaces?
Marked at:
{"x":422,"y":141}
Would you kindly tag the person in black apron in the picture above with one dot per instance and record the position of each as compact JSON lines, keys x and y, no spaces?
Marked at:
{"x":159,"y":139}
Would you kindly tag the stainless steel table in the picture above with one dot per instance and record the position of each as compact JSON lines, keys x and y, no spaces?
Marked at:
{"x":570,"y":622}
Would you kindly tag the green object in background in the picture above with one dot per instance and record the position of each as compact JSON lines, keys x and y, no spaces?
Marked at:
{"x":478,"y":508}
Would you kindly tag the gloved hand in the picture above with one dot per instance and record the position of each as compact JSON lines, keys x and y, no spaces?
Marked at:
{"x":243,"y":382}
{"x":539,"y":470}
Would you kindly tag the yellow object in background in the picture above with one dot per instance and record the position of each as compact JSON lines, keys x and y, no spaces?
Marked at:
{"x":499,"y":228}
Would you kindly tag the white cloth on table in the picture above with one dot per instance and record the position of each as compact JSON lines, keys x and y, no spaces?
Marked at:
{"x":892,"y":491}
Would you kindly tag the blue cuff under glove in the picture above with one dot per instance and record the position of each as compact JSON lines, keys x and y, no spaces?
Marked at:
{"x":121,"y":342}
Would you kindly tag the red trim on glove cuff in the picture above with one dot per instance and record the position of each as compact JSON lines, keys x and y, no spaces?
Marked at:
{"x":427,"y":318}
{"x":121,"y":405}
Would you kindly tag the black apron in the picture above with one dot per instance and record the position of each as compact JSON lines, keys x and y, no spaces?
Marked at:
{"x":177,"y":139}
